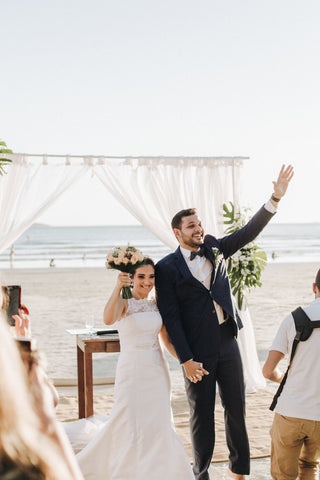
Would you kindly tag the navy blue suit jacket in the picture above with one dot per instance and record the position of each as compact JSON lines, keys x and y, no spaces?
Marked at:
{"x":186,"y":305}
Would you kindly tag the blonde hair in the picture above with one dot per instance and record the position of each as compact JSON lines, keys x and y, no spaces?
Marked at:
{"x":22,"y":444}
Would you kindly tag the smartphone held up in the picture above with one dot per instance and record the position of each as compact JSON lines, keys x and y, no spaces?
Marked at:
{"x":12,"y":301}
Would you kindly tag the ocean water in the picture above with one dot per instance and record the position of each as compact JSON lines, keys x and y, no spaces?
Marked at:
{"x":87,"y":246}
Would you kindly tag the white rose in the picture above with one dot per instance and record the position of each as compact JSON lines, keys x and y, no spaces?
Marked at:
{"x":236,"y":256}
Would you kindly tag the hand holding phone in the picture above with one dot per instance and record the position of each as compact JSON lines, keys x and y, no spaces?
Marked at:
{"x":12,"y":301}
{"x":22,"y":322}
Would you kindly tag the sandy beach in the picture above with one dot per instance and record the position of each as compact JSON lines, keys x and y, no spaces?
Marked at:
{"x":60,"y":299}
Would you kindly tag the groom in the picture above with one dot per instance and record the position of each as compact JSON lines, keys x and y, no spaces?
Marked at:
{"x":195,"y":301}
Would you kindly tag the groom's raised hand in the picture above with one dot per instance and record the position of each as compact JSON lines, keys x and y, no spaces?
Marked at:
{"x":194,"y":371}
{"x":283,"y":180}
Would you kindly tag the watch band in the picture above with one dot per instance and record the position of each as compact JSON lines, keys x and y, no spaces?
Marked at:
{"x":275,"y":199}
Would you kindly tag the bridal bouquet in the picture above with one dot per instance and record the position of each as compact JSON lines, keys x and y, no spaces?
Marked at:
{"x":126,"y":259}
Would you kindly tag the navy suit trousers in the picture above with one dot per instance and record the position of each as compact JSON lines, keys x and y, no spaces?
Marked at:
{"x":225,"y":369}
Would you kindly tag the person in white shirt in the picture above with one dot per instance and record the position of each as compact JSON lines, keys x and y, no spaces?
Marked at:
{"x":295,"y":433}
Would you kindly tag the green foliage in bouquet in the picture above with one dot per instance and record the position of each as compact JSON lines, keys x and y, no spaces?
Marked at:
{"x":245,"y":266}
{"x":126,"y":259}
{"x":3,"y":160}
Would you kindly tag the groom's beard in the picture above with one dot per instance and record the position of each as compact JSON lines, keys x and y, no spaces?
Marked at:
{"x":191,"y":241}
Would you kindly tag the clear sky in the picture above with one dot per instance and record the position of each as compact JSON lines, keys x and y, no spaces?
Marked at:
{"x":169,"y":77}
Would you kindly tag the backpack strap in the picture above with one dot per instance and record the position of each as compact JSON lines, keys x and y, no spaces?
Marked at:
{"x":304,"y":327}
{"x":304,"y":324}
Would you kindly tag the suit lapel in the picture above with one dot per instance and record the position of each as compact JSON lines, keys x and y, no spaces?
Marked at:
{"x":209,"y":255}
{"x":184,"y":269}
{"x":181,"y":264}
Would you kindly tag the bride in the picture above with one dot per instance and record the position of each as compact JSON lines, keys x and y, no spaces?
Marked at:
{"x":138,"y":441}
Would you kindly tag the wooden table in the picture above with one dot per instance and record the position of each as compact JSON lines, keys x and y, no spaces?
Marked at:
{"x":86,"y":346}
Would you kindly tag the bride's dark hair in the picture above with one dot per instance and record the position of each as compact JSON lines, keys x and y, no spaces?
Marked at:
{"x":146,"y":261}
{"x":149,"y":261}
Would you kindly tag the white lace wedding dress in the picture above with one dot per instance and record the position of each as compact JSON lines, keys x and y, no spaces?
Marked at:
{"x":138,"y":441}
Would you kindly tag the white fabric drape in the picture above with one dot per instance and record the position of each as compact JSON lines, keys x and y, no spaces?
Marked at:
{"x":28,"y":189}
{"x":151,"y":189}
{"x":253,"y":378}
{"x":154,"y":189}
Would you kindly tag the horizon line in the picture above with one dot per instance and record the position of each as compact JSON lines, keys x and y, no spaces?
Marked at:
{"x":141,"y":225}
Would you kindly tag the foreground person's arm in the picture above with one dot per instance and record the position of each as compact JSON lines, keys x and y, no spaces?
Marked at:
{"x":43,"y":405}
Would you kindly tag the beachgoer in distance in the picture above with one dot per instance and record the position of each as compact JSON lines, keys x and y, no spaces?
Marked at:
{"x":12,"y":255}
{"x":197,"y":308}
{"x":138,"y":439}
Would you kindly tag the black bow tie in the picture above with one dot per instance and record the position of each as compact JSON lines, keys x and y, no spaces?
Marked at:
{"x":199,"y":252}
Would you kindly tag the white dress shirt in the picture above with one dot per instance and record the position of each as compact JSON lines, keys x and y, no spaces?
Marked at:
{"x":271,"y":208}
{"x":201,"y":268}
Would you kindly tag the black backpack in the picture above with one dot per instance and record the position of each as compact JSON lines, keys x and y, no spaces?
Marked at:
{"x":304,"y":327}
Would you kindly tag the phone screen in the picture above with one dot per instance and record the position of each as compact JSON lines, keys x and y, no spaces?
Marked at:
{"x":13,"y":301}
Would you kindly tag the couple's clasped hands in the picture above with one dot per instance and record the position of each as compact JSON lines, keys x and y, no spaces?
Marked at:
{"x":194,"y":371}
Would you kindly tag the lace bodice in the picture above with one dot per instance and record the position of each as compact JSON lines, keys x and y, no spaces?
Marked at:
{"x":142,"y":305}
{"x":139,"y":328}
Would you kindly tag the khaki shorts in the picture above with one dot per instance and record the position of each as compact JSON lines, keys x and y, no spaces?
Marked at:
{"x":295,"y":448}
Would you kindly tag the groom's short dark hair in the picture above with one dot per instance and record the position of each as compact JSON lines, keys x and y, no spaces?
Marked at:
{"x":177,"y":219}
